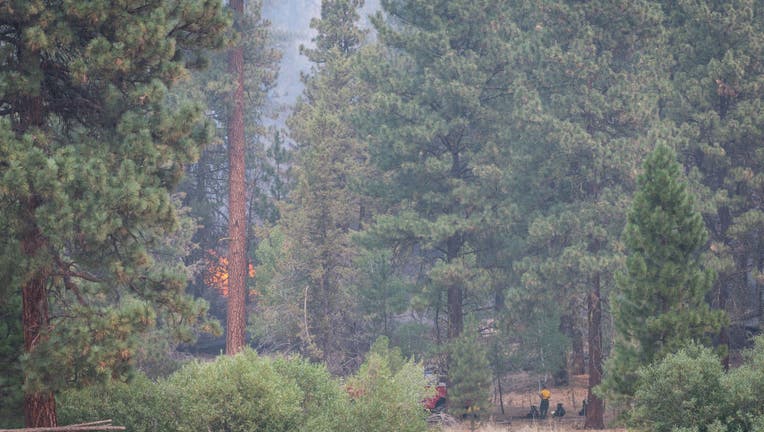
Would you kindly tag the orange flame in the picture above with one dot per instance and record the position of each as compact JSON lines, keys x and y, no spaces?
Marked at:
{"x":217,"y":272}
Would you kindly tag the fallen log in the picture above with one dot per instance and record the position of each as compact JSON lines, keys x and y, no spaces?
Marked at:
{"x":100,"y":425}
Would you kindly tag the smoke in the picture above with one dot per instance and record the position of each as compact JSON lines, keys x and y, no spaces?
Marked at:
{"x":291,"y":28}
{"x":290,"y":21}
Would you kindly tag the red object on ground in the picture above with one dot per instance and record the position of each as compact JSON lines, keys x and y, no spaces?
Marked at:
{"x":438,"y":401}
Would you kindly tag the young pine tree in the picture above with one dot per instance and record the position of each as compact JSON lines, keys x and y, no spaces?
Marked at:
{"x":660,"y":303}
{"x":470,"y":376}
{"x":324,"y":207}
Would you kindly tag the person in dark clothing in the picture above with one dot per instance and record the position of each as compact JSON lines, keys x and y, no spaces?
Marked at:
{"x":559,"y":411}
{"x":534,"y":414}
{"x":545,"y":394}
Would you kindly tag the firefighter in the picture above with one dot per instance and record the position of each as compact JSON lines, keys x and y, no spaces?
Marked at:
{"x":545,"y":394}
{"x":559,"y":411}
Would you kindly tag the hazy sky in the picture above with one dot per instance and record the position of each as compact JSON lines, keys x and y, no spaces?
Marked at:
{"x":291,"y":24}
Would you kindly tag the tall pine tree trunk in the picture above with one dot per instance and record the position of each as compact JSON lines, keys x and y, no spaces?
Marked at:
{"x":595,"y":407}
{"x":39,"y":407}
{"x":237,"y":203}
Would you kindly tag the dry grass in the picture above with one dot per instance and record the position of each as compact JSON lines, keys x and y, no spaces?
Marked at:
{"x":524,"y":427}
{"x":521,"y":391}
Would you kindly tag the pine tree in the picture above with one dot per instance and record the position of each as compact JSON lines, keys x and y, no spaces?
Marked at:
{"x":236,"y":322}
{"x":590,"y":102}
{"x":325,"y":207}
{"x":11,"y":349}
{"x":660,"y":304}
{"x":206,"y":186}
{"x":717,"y":49}
{"x":437,"y":83}
{"x":89,"y":153}
{"x":470,"y":376}
{"x":383,"y":292}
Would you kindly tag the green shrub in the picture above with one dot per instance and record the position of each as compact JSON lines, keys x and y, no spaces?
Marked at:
{"x":684,"y":390}
{"x":388,"y":393}
{"x":251,"y":393}
{"x":241,"y":393}
{"x":325,"y":405}
{"x":745,"y":386}
{"x":140,"y":405}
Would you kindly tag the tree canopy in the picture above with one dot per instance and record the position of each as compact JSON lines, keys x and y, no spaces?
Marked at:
{"x":91,"y":150}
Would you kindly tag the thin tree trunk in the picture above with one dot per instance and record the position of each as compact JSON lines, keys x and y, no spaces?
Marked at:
{"x":595,"y":407}
{"x":454,"y":295}
{"x":724,"y":332}
{"x":455,"y":319}
{"x":501,"y":395}
{"x":574,"y":360}
{"x":237,"y":205}
{"x":577,"y":361}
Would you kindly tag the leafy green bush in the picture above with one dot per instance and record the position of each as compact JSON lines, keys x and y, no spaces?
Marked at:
{"x":689,"y":391}
{"x":388,"y":391}
{"x":236,"y":393}
{"x":251,"y":393}
{"x":683,"y":390}
{"x":325,"y":404}
{"x":140,"y":405}
{"x":745,"y":386}
{"x":240,"y":393}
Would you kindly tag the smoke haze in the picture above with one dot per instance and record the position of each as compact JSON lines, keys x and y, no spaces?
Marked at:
{"x":291,"y":27}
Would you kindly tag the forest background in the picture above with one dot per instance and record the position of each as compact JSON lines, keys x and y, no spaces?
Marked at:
{"x":465,"y":179}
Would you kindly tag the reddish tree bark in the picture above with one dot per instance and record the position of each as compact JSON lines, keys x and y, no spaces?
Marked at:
{"x":39,"y":407}
{"x":237,"y":203}
{"x":595,"y":407}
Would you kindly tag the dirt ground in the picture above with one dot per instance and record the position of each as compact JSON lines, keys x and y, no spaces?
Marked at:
{"x":520,"y":391}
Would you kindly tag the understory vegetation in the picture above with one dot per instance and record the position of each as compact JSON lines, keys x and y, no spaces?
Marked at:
{"x":248,"y":392}
{"x":460,"y":191}
{"x":689,"y":391}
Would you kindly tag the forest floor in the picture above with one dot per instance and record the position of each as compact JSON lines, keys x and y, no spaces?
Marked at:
{"x":520,"y":392}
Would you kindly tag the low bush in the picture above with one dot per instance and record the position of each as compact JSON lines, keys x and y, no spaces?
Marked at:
{"x":388,"y":391}
{"x":684,"y":390}
{"x":140,"y":405}
{"x":745,"y":386}
{"x":690,"y":391}
{"x":325,"y":404}
{"x":250,"y":393}
{"x":241,"y":393}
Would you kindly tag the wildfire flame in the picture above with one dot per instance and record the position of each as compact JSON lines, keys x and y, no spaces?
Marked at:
{"x":216,"y":274}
